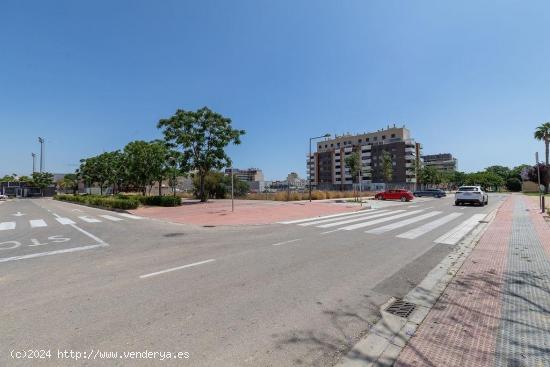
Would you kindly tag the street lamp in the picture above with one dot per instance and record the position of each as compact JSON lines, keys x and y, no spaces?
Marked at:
{"x":173,"y":160}
{"x":41,"y":141}
{"x":33,"y":162}
{"x":309,"y":168}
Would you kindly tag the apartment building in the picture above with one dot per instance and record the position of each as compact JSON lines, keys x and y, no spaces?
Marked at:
{"x":327,"y":170}
{"x":441,"y":162}
{"x":248,"y":175}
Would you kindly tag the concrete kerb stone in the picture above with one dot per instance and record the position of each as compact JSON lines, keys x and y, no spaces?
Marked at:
{"x":384,"y":342}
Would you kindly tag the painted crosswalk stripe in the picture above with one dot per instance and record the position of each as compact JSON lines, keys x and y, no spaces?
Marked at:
{"x":7,"y":225}
{"x":89,"y":219}
{"x":37,"y":223}
{"x":64,"y":221}
{"x":110,"y":217}
{"x":428,"y":227}
{"x":328,"y":225}
{"x":380,"y":220}
{"x":316,"y":218}
{"x":456,"y":234}
{"x":131,"y":216}
{"x":356,"y":215}
{"x":403,"y":223}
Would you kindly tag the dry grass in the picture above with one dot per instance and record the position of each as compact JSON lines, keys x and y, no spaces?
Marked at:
{"x":294,"y":196}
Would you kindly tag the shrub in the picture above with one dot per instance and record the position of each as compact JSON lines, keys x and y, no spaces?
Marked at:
{"x":109,"y":202}
{"x":161,"y":200}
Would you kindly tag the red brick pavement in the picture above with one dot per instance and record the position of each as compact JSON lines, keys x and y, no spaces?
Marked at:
{"x":218,"y":212}
{"x":461,"y":328}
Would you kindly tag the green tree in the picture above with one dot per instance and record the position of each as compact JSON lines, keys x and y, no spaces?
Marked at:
{"x":430,"y":175}
{"x":203,"y":136}
{"x":70,"y":181}
{"x":543,"y":133}
{"x":353,"y":162}
{"x":145,"y":163}
{"x":7,"y":178}
{"x":513,"y":184}
{"x":42,"y":180}
{"x":387,"y":167}
{"x":502,"y":171}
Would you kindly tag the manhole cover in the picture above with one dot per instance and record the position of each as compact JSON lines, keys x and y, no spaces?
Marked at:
{"x":401,"y":308}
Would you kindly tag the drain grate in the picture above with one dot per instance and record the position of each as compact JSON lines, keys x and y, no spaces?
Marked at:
{"x":401,"y":308}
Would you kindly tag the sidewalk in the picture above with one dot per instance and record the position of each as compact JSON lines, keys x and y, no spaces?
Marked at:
{"x":247,"y":212}
{"x":496,"y":311}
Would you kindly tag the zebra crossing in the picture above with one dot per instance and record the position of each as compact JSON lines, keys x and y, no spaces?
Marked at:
{"x":45,"y":222}
{"x":382,"y":221}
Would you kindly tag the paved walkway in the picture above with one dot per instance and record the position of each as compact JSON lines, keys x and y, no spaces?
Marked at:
{"x":496,"y":311}
{"x":218,"y":212}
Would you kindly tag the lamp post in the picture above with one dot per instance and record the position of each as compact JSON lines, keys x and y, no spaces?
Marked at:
{"x":173,"y":160}
{"x":33,"y":162}
{"x":309,"y":167}
{"x":41,"y":141}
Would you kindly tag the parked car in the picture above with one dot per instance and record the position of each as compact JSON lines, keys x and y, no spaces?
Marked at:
{"x":471,"y":195}
{"x":403,"y":195}
{"x":3,"y":197}
{"x":436,"y":193}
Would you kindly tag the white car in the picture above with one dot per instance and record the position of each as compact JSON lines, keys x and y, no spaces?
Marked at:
{"x":471,"y":195}
{"x":3,"y":197}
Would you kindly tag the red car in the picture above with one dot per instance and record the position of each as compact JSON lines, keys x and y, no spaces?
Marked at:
{"x":403,"y":195}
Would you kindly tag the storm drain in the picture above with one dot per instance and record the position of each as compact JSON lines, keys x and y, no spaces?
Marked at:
{"x":401,"y":308}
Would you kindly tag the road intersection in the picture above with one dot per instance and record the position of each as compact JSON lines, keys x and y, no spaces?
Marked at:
{"x":297,"y":292}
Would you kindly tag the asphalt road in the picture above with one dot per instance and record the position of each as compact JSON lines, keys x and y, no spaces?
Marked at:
{"x":86,"y":280}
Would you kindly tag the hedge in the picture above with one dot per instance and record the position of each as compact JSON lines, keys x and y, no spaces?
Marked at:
{"x":121,"y":201}
{"x":109,"y":202}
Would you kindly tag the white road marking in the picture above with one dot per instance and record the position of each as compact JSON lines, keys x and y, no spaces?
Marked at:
{"x":37,"y":223}
{"x":110,"y":217}
{"x":89,"y":219}
{"x":18,"y":214}
{"x":412,"y":206}
{"x":176,"y":268}
{"x":7,"y":225}
{"x":89,"y":234}
{"x":355,"y":215}
{"x":64,"y":221}
{"x":285,"y":242}
{"x":131,"y":216}
{"x":419,"y":231}
{"x":381,"y":220}
{"x":334,"y":230}
{"x":402,"y":223}
{"x":315,"y":218}
{"x":456,"y":234}
{"x":40,"y":254}
{"x":328,"y":225}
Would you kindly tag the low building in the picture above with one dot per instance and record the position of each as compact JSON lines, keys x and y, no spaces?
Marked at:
{"x":248,"y":175}
{"x":441,"y":162}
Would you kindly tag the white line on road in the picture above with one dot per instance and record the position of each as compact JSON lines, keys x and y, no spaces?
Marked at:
{"x":355,"y":215}
{"x":315,"y":218}
{"x":40,"y":254}
{"x":176,"y":268}
{"x":64,"y":221}
{"x":419,"y":231}
{"x":456,"y":234}
{"x":328,"y":225}
{"x":285,"y":242}
{"x":37,"y":223}
{"x":131,"y":216}
{"x":89,"y":219}
{"x":7,"y":225}
{"x":381,"y":220}
{"x":110,"y":217}
{"x":402,"y":223}
{"x":334,"y":230}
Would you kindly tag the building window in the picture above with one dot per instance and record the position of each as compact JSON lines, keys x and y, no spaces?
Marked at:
{"x":337,"y":144}
{"x":331,"y":145}
{"x":367,"y":140}
{"x":375,"y":138}
{"x":393,"y":135}
{"x":383,"y":137}
{"x":326,"y":146}
{"x":360,"y":140}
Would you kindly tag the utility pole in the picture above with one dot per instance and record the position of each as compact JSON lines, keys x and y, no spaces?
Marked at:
{"x":41,"y":141}
{"x":33,"y":162}
{"x":541,"y":194}
{"x":232,"y":191}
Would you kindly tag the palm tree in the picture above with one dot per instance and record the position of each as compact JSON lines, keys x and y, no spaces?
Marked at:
{"x":543,"y":133}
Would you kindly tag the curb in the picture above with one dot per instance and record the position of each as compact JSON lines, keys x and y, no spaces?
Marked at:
{"x":383,"y":343}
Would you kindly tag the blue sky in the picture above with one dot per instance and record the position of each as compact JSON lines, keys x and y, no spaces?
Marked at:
{"x":469,"y":77}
